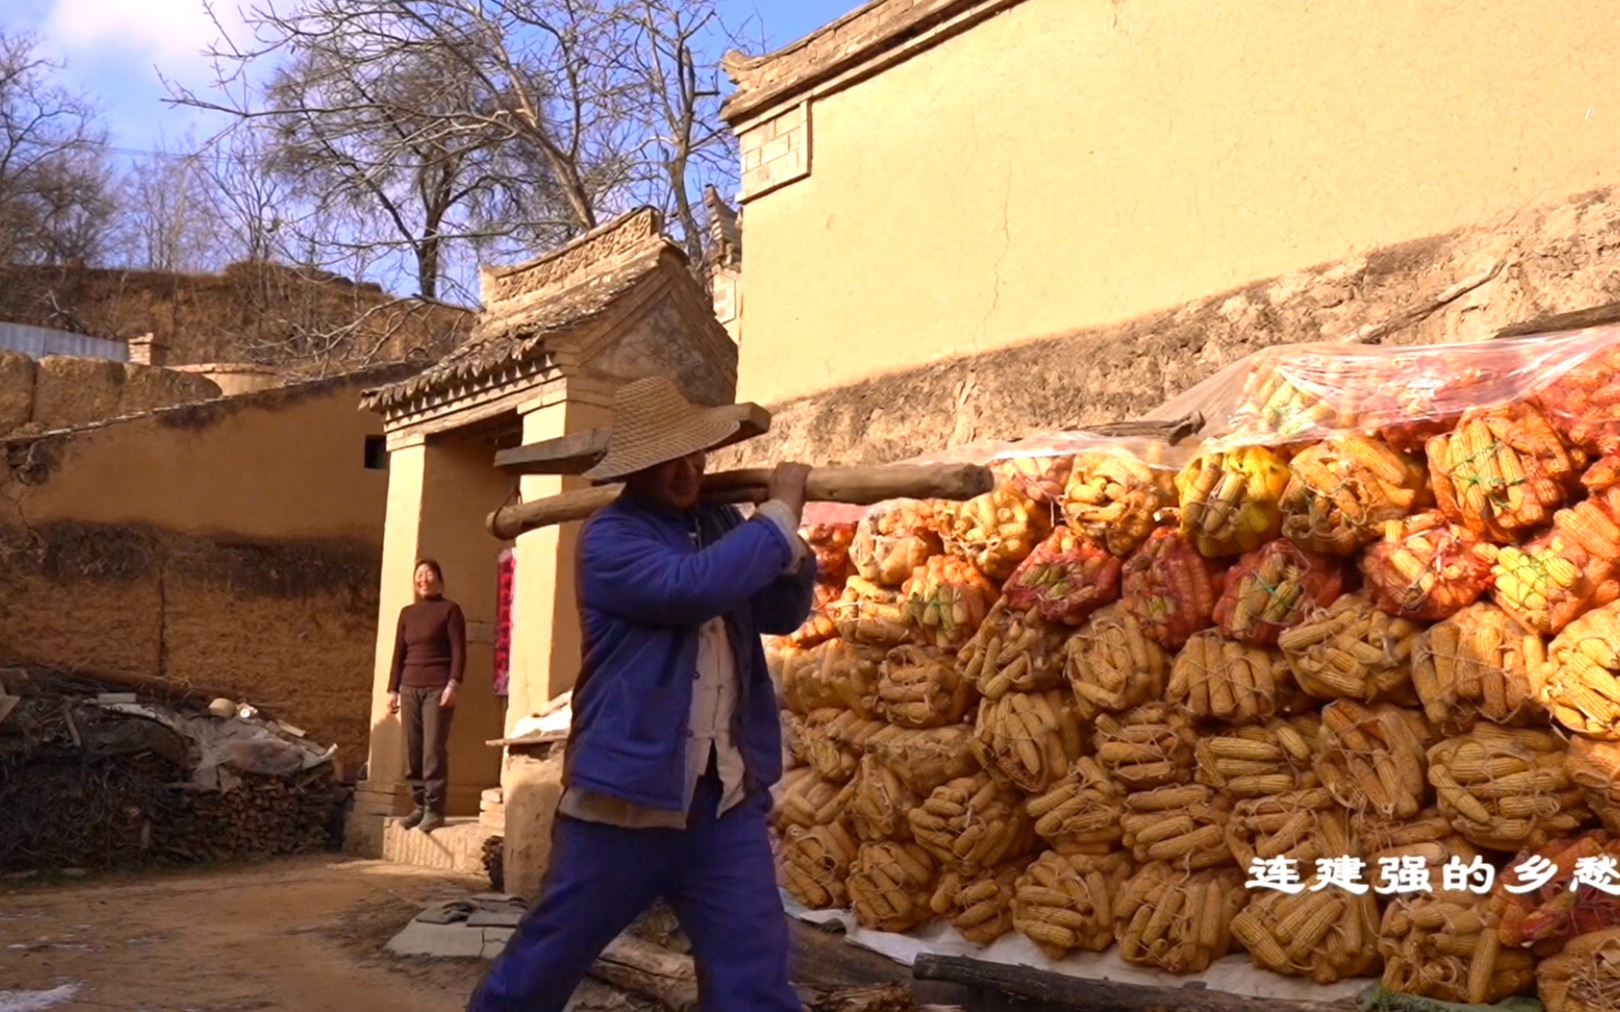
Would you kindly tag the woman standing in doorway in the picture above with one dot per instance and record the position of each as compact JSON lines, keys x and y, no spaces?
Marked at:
{"x":430,"y":656}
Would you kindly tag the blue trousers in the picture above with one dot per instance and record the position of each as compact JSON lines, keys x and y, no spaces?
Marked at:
{"x":718,"y":877}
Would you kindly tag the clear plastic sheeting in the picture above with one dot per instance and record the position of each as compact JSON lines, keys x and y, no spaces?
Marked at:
{"x":225,"y":750}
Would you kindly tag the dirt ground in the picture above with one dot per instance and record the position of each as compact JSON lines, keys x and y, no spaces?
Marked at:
{"x":304,"y":934}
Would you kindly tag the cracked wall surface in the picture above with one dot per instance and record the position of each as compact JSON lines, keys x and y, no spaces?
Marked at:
{"x":238,"y":547}
{"x":61,"y":391}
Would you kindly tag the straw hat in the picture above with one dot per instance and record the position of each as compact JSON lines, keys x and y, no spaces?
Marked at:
{"x":654,"y":424}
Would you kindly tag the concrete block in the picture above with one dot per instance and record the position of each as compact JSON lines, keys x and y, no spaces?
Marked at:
{"x":449,"y":941}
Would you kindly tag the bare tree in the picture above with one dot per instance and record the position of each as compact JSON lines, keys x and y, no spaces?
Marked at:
{"x":172,"y":214}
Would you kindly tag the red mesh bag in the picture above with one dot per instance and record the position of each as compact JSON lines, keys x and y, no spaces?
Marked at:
{"x":819,"y":627}
{"x":1171,"y":588}
{"x":1274,"y":589}
{"x":1065,"y":579}
{"x":1585,"y":402}
{"x":1545,"y":919}
{"x":831,"y":544}
{"x":1503,"y":472}
{"x":1039,"y":478}
{"x":1426,"y":568}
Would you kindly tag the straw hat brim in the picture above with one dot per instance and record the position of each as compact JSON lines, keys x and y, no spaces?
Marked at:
{"x":700,"y":432}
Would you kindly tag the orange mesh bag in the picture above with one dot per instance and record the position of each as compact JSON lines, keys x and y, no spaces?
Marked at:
{"x":1545,"y":919}
{"x":878,"y":802}
{"x":1502,"y":472}
{"x":1182,"y":825}
{"x":830,"y":543}
{"x":1231,"y":502}
{"x":1064,"y":580}
{"x":1373,"y":757}
{"x":973,"y":824}
{"x":996,"y":531}
{"x":1584,"y":403}
{"x":1351,"y":650}
{"x":1594,"y":766}
{"x":833,"y":740}
{"x":1427,"y":568}
{"x":1581,"y":688}
{"x":815,"y":863}
{"x":1147,"y":747}
{"x":1301,"y":826}
{"x":924,"y":758}
{"x":1013,"y":651}
{"x":1029,"y":737}
{"x":1343,"y":490}
{"x":1171,"y":588}
{"x":836,"y":674}
{"x":1325,"y":934}
{"x":1113,"y":499}
{"x":1042,"y":479}
{"x":980,"y":905}
{"x":891,"y":886}
{"x":1112,"y":666}
{"x":1065,"y":902}
{"x":1261,"y":760}
{"x":1505,"y":788}
{"x":1585,"y":977}
{"x":1444,"y":946}
{"x":946,"y":601}
{"x":1175,"y":920}
{"x":1225,"y":680}
{"x":805,"y":799}
{"x":1080,"y":813}
{"x":920,"y":687}
{"x":819,"y":627}
{"x":871,"y":615}
{"x":890,"y":543}
{"x":1564,"y":573}
{"x":1274,"y":589}
{"x":1479,"y":665}
{"x":1603,"y":475}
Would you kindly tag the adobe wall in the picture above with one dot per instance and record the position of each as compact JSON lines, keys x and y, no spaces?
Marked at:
{"x":61,"y":391}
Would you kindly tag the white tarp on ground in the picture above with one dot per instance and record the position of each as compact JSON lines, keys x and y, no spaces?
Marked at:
{"x":37,"y":1001}
{"x":235,"y":745}
{"x":1234,"y":974}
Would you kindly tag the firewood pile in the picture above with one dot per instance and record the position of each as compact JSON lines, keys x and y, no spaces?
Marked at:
{"x":90,"y":779}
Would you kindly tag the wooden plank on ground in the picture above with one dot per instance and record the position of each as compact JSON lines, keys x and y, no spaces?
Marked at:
{"x":579,"y":452}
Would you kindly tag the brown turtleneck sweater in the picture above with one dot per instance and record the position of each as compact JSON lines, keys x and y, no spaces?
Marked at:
{"x":430,"y":646}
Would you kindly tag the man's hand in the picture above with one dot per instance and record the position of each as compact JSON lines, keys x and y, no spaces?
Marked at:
{"x":787,"y":486}
{"x":447,"y":698}
{"x":393,"y":702}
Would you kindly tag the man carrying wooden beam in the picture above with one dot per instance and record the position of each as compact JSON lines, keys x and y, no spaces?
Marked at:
{"x":675,"y":740}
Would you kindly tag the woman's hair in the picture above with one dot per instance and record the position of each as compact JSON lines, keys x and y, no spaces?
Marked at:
{"x":431,"y":564}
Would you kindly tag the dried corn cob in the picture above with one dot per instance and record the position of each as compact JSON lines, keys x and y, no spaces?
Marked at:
{"x":1065,"y":903}
{"x":1183,"y":826}
{"x":833,"y":740}
{"x":1580,"y":688}
{"x":1352,"y":650}
{"x":815,"y":863}
{"x":973,"y":824}
{"x":890,"y":544}
{"x":1114,"y":500}
{"x":1584,"y":404}
{"x":1029,"y":737}
{"x":878,"y":802}
{"x":1230,"y":681}
{"x":871,"y":615}
{"x":830,"y":543}
{"x":1373,"y":757}
{"x":1230,"y":501}
{"x":1302,"y":826}
{"x":1478,"y":665}
{"x":1080,"y":813}
{"x":1272,"y":590}
{"x":979,"y":906}
{"x":1013,"y":651}
{"x":996,"y":531}
{"x":804,"y":799}
{"x":1064,"y":580}
{"x":1260,"y":760}
{"x":818,"y":627}
{"x":1594,"y":766}
{"x":1112,"y":666}
{"x":1038,"y":477}
{"x":1427,"y":836}
{"x":1562,"y":574}
{"x":833,"y":674}
{"x":1502,"y":471}
{"x":1545,"y":918}
{"x":1175,"y":920}
{"x":1585,"y":977}
{"x":1427,"y":568}
{"x":1147,"y":747}
{"x":946,"y":600}
{"x":920,"y":687}
{"x":1445,"y":947}
{"x":1504,"y":788}
{"x":1325,"y":934}
{"x":891,"y":885}
{"x":1343,"y":490}
{"x":925,"y":758}
{"x":1171,"y":588}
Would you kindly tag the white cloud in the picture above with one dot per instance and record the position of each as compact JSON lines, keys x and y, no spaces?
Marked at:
{"x":169,"y":33}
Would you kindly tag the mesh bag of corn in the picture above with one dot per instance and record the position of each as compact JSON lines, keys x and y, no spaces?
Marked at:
{"x":792,"y":739}
{"x":1425,"y":840}
{"x":833,"y":741}
{"x":1585,"y":977}
{"x":1261,"y":760}
{"x":1112,"y":665}
{"x":878,"y":802}
{"x":815,"y":863}
{"x":1289,"y":396}
{"x":946,"y":601}
{"x":1113,"y":499}
{"x":996,"y":531}
{"x":1373,"y":757}
{"x":1562,"y":574}
{"x":1274,"y":589}
{"x":805,"y":799}
{"x":830,"y":543}
{"x":1479,"y":665}
{"x":1029,"y":737}
{"x":837,"y":673}
{"x":1042,"y":479}
{"x":1301,"y":826}
{"x":1326,"y":934}
{"x":1594,"y":766}
{"x":891,"y":886}
{"x":1343,"y":490}
{"x":1214,"y":677}
{"x":973,"y":823}
{"x":889,"y":544}
{"x":1150,"y":746}
{"x":1182,"y":825}
{"x":870,"y":614}
{"x":1444,"y":946}
{"x":920,"y":687}
{"x":1065,"y":579}
{"x":1543,"y":919}
{"x":1013,"y":651}
{"x":1502,"y":471}
{"x":1080,"y":814}
{"x":1065,"y":902}
{"x":1177,"y":920}
{"x":1427,"y":568}
{"x":1506,"y":788}
{"x":1171,"y":588}
{"x":1351,"y":650}
{"x":1584,"y":402}
{"x":1581,"y":690}
{"x":924,"y":758}
{"x":1231,"y":502}
{"x":818,"y":627}
{"x":978,"y":905}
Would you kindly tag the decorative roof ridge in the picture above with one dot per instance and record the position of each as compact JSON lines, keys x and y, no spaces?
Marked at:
{"x":563,"y":266}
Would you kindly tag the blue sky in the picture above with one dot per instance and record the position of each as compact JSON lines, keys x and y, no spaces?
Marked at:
{"x":115,"y":49}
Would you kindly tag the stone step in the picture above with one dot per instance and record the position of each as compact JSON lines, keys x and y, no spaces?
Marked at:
{"x":456,"y":846}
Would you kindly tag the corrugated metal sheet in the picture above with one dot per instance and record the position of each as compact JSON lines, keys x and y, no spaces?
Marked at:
{"x":37,"y":342}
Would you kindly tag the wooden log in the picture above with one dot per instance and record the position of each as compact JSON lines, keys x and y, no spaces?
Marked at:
{"x":1100,"y":995}
{"x":579,"y":452}
{"x":855,"y":485}
{"x":650,"y":971}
